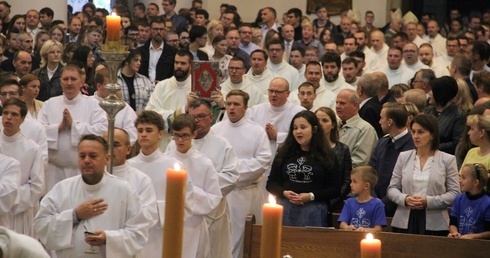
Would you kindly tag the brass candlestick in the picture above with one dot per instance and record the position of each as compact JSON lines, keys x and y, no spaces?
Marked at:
{"x":113,"y":53}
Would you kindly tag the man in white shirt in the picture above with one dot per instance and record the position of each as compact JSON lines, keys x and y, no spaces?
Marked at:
{"x":94,"y":210}
{"x":426,"y":56}
{"x":411,"y":58}
{"x":411,"y":30}
{"x":370,"y":59}
{"x":258,"y":74}
{"x":277,"y":65}
{"x":125,"y":117}
{"x":349,"y":46}
{"x":306,"y":95}
{"x":452,"y":48}
{"x":331,"y":70}
{"x":297,"y":60}
{"x":26,"y":151}
{"x":236,"y":81}
{"x":349,"y":71}
{"x":435,"y":39}
{"x":379,"y":48}
{"x":66,"y":118}
{"x":395,"y":71}
{"x":254,"y":159}
{"x":219,"y":150}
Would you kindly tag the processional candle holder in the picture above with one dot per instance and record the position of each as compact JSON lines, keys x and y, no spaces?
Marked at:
{"x":113,"y":53}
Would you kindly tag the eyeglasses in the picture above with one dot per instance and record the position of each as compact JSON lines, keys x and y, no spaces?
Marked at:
{"x":477,"y":171}
{"x":201,"y":117}
{"x":235,"y":68}
{"x":275,"y":49}
{"x":277,"y":92}
{"x":183,"y":137}
{"x":12,"y":94}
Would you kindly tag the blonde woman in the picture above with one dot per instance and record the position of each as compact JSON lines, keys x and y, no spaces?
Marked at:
{"x":479,"y":134}
{"x":49,"y":72}
{"x":220,"y":46}
{"x":215,"y":28}
{"x":463,"y":98}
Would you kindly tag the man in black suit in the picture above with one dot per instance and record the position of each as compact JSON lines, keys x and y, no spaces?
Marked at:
{"x":198,"y":38}
{"x":385,"y":154}
{"x":370,"y":108}
{"x":157,"y":59}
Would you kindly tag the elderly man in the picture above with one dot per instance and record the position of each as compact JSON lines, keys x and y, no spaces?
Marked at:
{"x":87,"y":211}
{"x":259,"y":75}
{"x":378,"y":46}
{"x":411,"y":30}
{"x":426,"y":56}
{"x":356,"y":133}
{"x":435,"y":39}
{"x":236,"y":81}
{"x":254,"y":159}
{"x":369,"y":106}
{"x":233,"y":40}
{"x":66,"y":118}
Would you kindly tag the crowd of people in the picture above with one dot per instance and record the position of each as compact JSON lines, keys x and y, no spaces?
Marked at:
{"x":369,"y":122}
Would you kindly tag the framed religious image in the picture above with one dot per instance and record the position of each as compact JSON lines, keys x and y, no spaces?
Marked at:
{"x":205,"y":78}
{"x":334,"y":7}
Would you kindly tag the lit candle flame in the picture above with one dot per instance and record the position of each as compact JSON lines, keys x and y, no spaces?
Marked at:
{"x":272,"y":200}
{"x":369,"y":236}
{"x":177,"y":167}
{"x":114,"y":14}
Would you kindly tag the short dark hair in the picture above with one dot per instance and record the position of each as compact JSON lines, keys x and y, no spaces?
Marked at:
{"x":182,"y":121}
{"x":93,"y":137}
{"x":72,"y":67}
{"x":140,"y":6}
{"x":48,"y":11}
{"x":306,"y":84}
{"x":203,"y":13}
{"x":463,"y":63}
{"x":185,"y":52}
{"x":331,"y":57}
{"x":200,"y":102}
{"x":157,"y":19}
{"x":197,"y":32}
{"x":482,"y":79}
{"x":10,"y":82}
{"x":238,"y":58}
{"x":430,"y":124}
{"x":16,"y":102}
{"x":150,"y":117}
{"x":300,"y":49}
{"x":266,"y":56}
{"x":276,"y":42}
{"x":359,"y":54}
{"x":482,"y":49}
{"x":296,"y":11}
{"x":401,"y":35}
{"x":350,"y":60}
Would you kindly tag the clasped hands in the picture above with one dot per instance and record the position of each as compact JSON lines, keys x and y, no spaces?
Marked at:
{"x":416,"y":202}
{"x":67,"y":121}
{"x":296,"y":199}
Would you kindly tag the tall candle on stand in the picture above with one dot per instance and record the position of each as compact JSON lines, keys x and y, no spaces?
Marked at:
{"x":113,"y":27}
{"x":173,"y":228}
{"x":370,"y":247}
{"x":270,"y":242}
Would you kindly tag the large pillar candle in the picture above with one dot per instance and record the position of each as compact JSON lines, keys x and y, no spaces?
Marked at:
{"x":270,"y":243}
{"x":370,"y":247}
{"x":173,"y":228}
{"x":113,"y":27}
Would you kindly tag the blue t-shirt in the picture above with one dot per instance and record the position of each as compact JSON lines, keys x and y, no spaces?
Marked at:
{"x":471,"y":214}
{"x":367,"y":214}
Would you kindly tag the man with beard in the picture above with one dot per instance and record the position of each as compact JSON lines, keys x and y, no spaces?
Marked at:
{"x":331,"y":70}
{"x":426,"y":56}
{"x":155,"y":55}
{"x":258,"y":74}
{"x":170,"y":95}
{"x":370,"y":60}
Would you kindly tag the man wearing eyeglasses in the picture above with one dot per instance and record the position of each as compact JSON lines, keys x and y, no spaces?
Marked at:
{"x":157,"y":58}
{"x":218,"y":150}
{"x":236,"y":81}
{"x":411,"y":58}
{"x":279,"y":66}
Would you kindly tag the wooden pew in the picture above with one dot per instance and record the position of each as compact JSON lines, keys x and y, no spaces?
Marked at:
{"x":321,"y":242}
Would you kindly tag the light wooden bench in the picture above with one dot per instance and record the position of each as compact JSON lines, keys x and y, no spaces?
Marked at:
{"x":321,"y":242}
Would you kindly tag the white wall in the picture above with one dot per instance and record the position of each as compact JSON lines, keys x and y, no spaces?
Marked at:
{"x":22,"y":6}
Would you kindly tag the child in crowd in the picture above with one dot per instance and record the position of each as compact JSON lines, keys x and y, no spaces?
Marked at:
{"x":470,"y":214}
{"x":363,"y":213}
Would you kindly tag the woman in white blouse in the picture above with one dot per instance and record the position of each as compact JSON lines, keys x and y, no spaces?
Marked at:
{"x":424,"y":183}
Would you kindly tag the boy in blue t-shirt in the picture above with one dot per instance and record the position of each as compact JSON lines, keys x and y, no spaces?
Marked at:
{"x":363,"y":213}
{"x":470,"y":214}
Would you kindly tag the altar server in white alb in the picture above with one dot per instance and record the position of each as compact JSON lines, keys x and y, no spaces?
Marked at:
{"x":92,"y":211}
{"x":207,"y":194}
{"x":13,"y":244}
{"x":279,"y":66}
{"x":251,"y":145}
{"x":9,"y":187}
{"x":137,"y":179}
{"x":259,"y":74}
{"x":125,"y":117}
{"x":170,"y":95}
{"x":66,"y":118}
{"x":154,"y":163}
{"x":220,"y":151}
{"x":29,"y":154}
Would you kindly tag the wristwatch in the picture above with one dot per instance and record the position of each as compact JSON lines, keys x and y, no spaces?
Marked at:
{"x":312,"y":197}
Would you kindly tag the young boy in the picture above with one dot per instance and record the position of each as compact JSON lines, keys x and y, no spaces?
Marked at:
{"x":470,"y":214}
{"x":207,"y":193}
{"x":363,"y":213}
